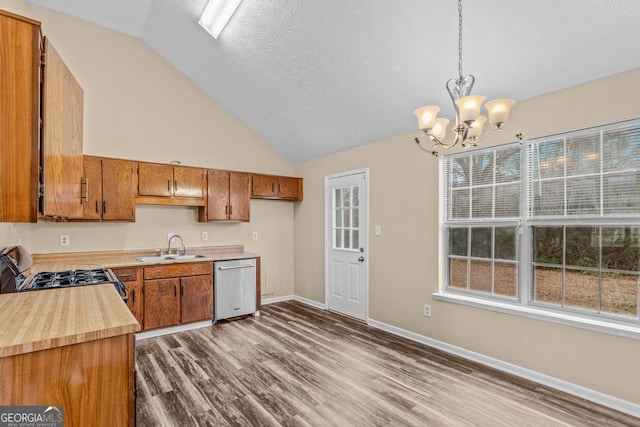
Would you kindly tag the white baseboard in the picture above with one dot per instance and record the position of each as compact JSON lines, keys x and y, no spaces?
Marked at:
{"x":172,"y":330}
{"x":316,"y":304}
{"x":274,"y":300}
{"x":558,"y":384}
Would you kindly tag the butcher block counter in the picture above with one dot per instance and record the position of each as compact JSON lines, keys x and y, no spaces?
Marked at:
{"x":39,"y":320}
{"x":72,"y":348}
{"x":127,"y":258}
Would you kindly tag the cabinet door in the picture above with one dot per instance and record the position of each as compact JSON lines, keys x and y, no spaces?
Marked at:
{"x":161,"y":303}
{"x":19,"y":118}
{"x":188,"y":182}
{"x":155,"y":180}
{"x":289,"y":188}
{"x":264,"y":185}
{"x":240,"y":196}
{"x":132,"y":279}
{"x":92,"y":192}
{"x":197,"y":298}
{"x":62,"y":101}
{"x":218,"y":195}
{"x":117,"y":190}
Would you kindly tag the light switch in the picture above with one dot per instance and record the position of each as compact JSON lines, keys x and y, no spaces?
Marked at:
{"x":378,"y":230}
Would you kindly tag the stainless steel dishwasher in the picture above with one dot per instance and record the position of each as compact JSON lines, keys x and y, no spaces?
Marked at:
{"x":234,"y":288}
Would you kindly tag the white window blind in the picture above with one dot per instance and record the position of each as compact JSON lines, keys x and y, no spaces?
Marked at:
{"x":483,"y":184}
{"x":593,"y":173}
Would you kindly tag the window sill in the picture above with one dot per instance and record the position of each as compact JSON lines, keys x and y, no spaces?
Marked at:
{"x":567,"y":319}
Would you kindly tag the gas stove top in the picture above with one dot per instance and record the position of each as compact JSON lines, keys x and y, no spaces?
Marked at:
{"x":68,"y":278}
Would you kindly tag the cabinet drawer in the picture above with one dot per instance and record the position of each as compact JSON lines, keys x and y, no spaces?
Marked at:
{"x":126,"y":274}
{"x":178,"y":270}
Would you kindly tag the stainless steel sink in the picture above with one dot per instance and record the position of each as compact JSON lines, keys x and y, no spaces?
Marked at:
{"x":160,"y":258}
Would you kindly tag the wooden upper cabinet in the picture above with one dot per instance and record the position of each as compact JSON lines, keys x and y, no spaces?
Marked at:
{"x":276,"y":187}
{"x":188,"y":182}
{"x":92,"y":191}
{"x":62,"y":108}
{"x":108,"y":189}
{"x":155,"y":180}
{"x":228,"y":196}
{"x":118,"y":184}
{"x":169,"y":184}
{"x":19,"y":117}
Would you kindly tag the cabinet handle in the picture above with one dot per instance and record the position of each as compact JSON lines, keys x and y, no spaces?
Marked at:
{"x":230,"y":210}
{"x":175,"y":186}
{"x":273,"y":188}
{"x":169,"y":185}
{"x":175,"y":291}
{"x":226,"y":210}
{"x":182,"y":288}
{"x":133,"y":297}
{"x":104,"y":206}
{"x":84,"y":183}
{"x":279,"y":188}
{"x":122,"y":276}
{"x":97,"y":207}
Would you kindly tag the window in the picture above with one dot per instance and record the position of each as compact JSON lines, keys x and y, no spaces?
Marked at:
{"x":552,"y":223}
{"x":346,"y":216}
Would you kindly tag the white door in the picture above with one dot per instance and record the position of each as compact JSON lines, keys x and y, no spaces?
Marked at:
{"x":346,"y":228}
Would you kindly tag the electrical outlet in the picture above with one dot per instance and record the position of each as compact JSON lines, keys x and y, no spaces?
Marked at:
{"x":205,"y":235}
{"x":254,"y":235}
{"x":427,"y":310}
{"x":65,"y":240}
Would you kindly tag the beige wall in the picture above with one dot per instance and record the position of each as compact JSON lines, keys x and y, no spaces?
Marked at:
{"x":404,"y":259}
{"x":137,"y":106}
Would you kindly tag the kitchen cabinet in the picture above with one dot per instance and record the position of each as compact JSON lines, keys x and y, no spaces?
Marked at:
{"x":19,"y":127}
{"x":169,"y":184}
{"x":108,"y":189}
{"x":276,"y":187}
{"x":177,"y":293}
{"x":41,"y":106}
{"x":228,"y":196}
{"x":132,"y":279}
{"x":61,"y":144}
{"x":196,"y":298}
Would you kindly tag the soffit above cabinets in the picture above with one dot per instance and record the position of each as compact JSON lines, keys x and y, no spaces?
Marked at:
{"x":316,"y":77}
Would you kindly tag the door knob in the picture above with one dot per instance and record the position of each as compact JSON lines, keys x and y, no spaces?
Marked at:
{"x":361,"y":259}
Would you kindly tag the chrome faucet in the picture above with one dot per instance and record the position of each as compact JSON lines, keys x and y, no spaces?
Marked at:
{"x":184,"y":248}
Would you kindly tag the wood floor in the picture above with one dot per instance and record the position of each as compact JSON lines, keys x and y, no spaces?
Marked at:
{"x":299,"y":366}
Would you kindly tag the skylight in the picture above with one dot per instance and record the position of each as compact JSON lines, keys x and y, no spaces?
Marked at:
{"x":217,"y":14}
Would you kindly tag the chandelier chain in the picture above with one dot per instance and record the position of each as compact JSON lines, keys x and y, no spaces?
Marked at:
{"x":460,"y":39}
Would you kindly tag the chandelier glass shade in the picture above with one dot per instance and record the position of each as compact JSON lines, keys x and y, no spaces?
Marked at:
{"x":469,"y":125}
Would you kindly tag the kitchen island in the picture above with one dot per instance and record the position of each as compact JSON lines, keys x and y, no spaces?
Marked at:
{"x":70,"y":347}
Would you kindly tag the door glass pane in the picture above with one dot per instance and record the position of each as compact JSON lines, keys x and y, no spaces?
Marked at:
{"x":337,"y":197}
{"x":338,"y":218}
{"x":347,"y":239}
{"x":356,"y":196}
{"x":346,"y":197}
{"x":347,"y":217}
{"x":356,"y":217}
{"x":337,"y":238}
{"x":355,"y":243}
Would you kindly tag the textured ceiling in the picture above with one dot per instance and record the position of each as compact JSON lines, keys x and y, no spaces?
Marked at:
{"x":316,"y":77}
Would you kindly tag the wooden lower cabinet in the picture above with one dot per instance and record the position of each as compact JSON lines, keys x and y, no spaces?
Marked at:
{"x":93,"y":381}
{"x":178,"y":293}
{"x":161,"y":303}
{"x":196,"y":298}
{"x":132,"y":279}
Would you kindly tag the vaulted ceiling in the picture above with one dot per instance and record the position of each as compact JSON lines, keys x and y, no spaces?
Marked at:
{"x":313,"y":77}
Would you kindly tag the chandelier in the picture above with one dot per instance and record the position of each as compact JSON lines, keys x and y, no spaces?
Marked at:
{"x":469,"y":123}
